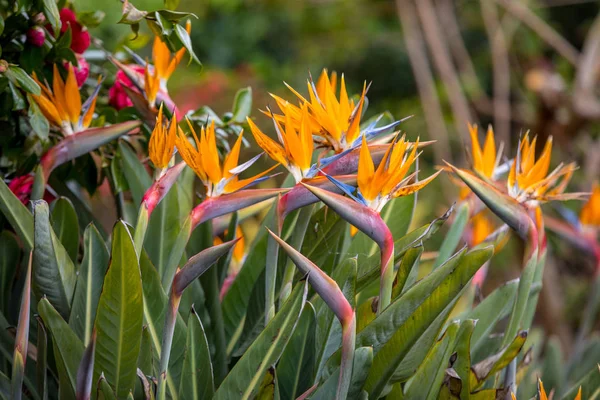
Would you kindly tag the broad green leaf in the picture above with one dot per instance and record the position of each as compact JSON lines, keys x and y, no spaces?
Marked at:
{"x":145,"y":359}
{"x":155,"y":306}
{"x":171,"y":4}
{"x":254,"y":323}
{"x":245,"y":378}
{"x":269,"y":388}
{"x":53,"y":271}
{"x":68,"y":349}
{"x":295,"y":370}
{"x":493,"y":308}
{"x":462,"y":365}
{"x":89,"y":283}
{"x":486,"y":368}
{"x":428,"y":379}
{"x":242,"y":105}
{"x":322,"y":238}
{"x":105,"y":392}
{"x":236,"y":299}
{"x":119,"y":316}
{"x":454,"y":234}
{"x":17,"y":215}
{"x":163,"y":229}
{"x":197,"y":375}
{"x":66,"y":226}
{"x":553,"y":370}
{"x":9,"y":260}
{"x":137,"y":177}
{"x":417,"y":353}
{"x":590,"y":386}
{"x":409,"y":262}
{"x":38,"y":122}
{"x":400,"y":325}
{"x":369,"y":269}
{"x":363,"y":357}
{"x":4,"y":386}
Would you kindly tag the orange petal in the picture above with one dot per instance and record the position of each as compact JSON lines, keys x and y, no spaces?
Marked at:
{"x":366,"y":170}
{"x":274,"y":150}
{"x":72,"y":96}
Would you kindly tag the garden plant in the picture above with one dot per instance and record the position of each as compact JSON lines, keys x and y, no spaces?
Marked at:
{"x":336,"y":295}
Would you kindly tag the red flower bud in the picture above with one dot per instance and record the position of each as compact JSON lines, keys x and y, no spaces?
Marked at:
{"x":36,"y":36}
{"x":21,"y":187}
{"x":117,"y":97}
{"x":80,"y":37}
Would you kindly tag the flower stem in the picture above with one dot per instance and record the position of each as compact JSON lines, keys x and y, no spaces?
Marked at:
{"x":386,"y":284}
{"x":167,"y":342}
{"x":296,"y":243}
{"x":348,"y":345}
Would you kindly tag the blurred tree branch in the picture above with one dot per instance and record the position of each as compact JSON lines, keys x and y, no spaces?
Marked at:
{"x":432,"y":110}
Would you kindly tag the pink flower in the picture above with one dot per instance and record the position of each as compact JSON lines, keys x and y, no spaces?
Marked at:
{"x":80,"y":37}
{"x":117,"y":96}
{"x":36,"y":36}
{"x":82,"y":71}
{"x":21,"y":187}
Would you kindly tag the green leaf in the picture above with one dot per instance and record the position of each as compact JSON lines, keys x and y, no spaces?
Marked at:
{"x":9,"y":260}
{"x":105,"y":392}
{"x":244,"y":380}
{"x":399,"y":326}
{"x":428,"y":379}
{"x":295,"y":370}
{"x":454,"y":234}
{"x":20,"y":78}
{"x":135,"y":173}
{"x":17,"y":215}
{"x":486,"y":368}
{"x":322,"y":237}
{"x":268,"y":389}
{"x":52,"y":14}
{"x":408,"y":268}
{"x":242,"y":106}
{"x":53,"y":271}
{"x":184,"y":37}
{"x":462,"y":365}
{"x":89,"y":284}
{"x":68,"y":349}
{"x":197,"y":375}
{"x":22,"y":337}
{"x":369,"y":269}
{"x":164,"y":227}
{"x":66,"y":226}
{"x":155,"y":306}
{"x":119,"y":317}
{"x":493,"y":308}
{"x":236,"y":299}
{"x":553,"y":370}
{"x":42,"y":359}
{"x":589,"y":384}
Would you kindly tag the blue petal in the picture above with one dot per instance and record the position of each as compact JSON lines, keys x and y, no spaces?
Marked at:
{"x":347,"y":189}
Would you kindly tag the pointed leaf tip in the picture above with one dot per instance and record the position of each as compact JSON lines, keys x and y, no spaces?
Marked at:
{"x":505,"y":207}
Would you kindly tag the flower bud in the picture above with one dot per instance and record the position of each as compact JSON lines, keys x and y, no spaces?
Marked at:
{"x":36,"y":36}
